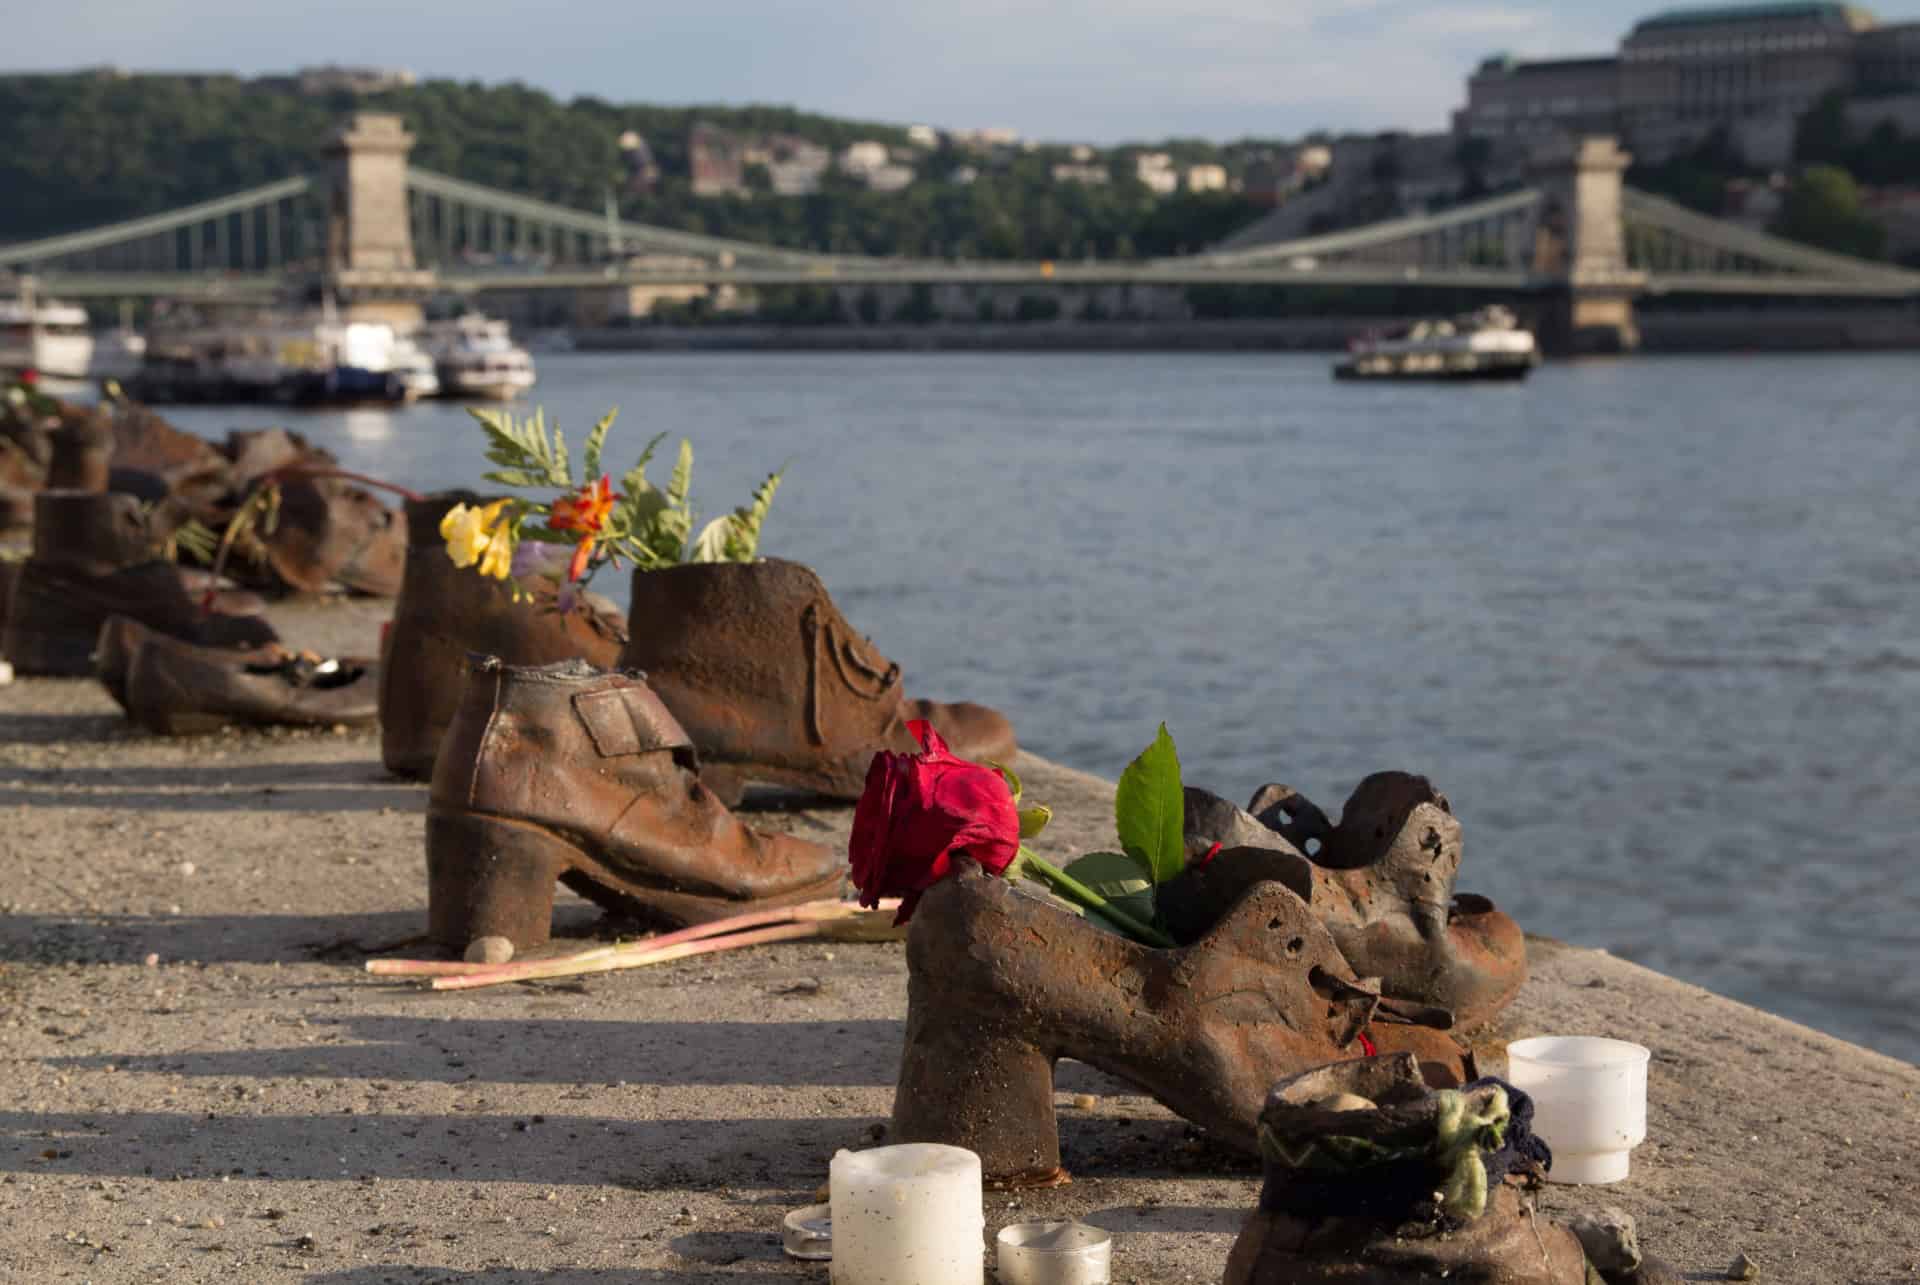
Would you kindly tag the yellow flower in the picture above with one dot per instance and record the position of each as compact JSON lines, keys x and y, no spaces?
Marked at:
{"x":497,"y":561}
{"x":467,"y":531}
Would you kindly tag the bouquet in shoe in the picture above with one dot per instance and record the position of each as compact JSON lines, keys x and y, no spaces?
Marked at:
{"x":523,"y":537}
{"x":920,"y":812}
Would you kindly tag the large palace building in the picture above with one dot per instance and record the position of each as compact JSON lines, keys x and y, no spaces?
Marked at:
{"x":1682,"y":74}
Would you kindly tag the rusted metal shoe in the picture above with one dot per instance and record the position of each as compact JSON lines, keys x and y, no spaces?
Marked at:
{"x":174,"y":688}
{"x":443,"y":613}
{"x":1001,"y":984}
{"x":9,"y":577}
{"x":1374,"y":1179}
{"x":571,"y":773}
{"x":152,"y":458}
{"x":329,"y":531}
{"x":774,"y":685}
{"x":82,"y":457}
{"x":1382,"y":881}
{"x":94,"y":557}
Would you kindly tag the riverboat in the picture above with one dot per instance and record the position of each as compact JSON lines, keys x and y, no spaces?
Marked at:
{"x":279,"y":359}
{"x":56,"y":340}
{"x":476,"y":357}
{"x":1487,"y":344}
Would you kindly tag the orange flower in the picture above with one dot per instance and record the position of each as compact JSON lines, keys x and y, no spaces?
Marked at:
{"x":587,"y":514}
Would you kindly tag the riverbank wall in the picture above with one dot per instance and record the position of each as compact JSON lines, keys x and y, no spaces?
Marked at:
{"x":1661,"y":331}
{"x":201,"y":1082}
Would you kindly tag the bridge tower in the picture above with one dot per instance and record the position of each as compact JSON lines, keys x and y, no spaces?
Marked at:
{"x":370,"y":264}
{"x":1581,"y":241}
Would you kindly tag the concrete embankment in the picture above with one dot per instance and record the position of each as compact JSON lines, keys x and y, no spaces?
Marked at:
{"x":200,"y":1082}
{"x":1662,"y":331}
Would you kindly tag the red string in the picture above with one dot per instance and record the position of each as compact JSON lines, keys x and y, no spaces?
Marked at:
{"x":1367,"y":1044}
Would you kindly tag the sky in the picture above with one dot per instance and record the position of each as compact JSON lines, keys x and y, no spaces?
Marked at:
{"x":1100,"y":71}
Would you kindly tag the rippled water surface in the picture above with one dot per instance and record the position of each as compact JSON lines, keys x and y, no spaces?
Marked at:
{"x":1654,"y":625}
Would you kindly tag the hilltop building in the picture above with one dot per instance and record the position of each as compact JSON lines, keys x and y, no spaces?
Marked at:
{"x":1678,"y":76}
{"x":352,"y":80}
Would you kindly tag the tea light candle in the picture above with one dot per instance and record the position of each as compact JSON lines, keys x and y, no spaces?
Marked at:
{"x":908,"y":1213}
{"x":1589,"y":1101}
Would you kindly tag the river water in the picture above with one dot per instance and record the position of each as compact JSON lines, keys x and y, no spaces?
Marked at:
{"x":1654,"y":624}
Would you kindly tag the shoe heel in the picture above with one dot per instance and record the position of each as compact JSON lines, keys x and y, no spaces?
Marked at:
{"x":987,"y":1092}
{"x":489,"y":877}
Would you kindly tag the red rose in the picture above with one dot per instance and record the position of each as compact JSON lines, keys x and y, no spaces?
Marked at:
{"x":920,"y":811}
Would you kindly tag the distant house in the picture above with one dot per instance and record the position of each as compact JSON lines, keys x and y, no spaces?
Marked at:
{"x":864,"y":157}
{"x":1091,"y":175}
{"x":1206,"y":178}
{"x":642,"y":171}
{"x":1155,"y":170}
{"x":353,"y":80}
{"x":923,"y":136}
{"x":716,"y":160}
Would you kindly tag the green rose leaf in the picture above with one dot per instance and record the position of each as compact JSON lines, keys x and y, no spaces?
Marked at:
{"x":1033,"y":820}
{"x":1150,"y":810}
{"x":1121,"y":879}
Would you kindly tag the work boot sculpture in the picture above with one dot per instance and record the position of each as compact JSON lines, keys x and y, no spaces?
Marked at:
{"x":752,"y":657}
{"x":1003,"y":983}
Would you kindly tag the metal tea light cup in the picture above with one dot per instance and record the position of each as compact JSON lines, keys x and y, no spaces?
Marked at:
{"x":1054,"y":1253}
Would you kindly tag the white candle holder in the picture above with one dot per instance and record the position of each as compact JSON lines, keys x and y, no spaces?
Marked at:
{"x":1053,"y":1253}
{"x":1589,"y":1101}
{"x":911,"y":1212}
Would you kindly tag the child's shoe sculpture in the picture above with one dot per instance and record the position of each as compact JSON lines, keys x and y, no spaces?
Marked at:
{"x":1372,"y":1178}
{"x":1382,"y":881}
{"x":1001,"y":984}
{"x":774,"y":685}
{"x":571,"y":773}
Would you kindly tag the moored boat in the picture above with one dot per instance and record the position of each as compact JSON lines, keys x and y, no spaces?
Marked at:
{"x":1487,"y":344}
{"x":45,"y":335}
{"x":277,"y":358}
{"x":476,"y":357}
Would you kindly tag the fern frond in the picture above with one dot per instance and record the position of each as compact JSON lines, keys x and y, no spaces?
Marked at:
{"x":596,"y":441}
{"x":522,"y":450}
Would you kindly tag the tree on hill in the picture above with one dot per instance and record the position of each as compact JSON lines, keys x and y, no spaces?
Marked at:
{"x":1823,"y":209}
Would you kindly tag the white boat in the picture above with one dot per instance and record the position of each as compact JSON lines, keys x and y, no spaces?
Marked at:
{"x":282,"y":357}
{"x":1487,"y":344}
{"x":416,"y":368}
{"x":476,"y":357}
{"x":46,"y":336}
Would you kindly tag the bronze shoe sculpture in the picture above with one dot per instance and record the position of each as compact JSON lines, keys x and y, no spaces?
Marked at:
{"x":774,"y":685}
{"x":571,"y":773}
{"x":9,"y":577}
{"x":443,"y":613}
{"x":1001,"y":984}
{"x":1382,"y":881}
{"x":94,"y":557}
{"x":330,"y":531}
{"x":175,"y":688}
{"x":1372,"y":1178}
{"x":82,"y":458}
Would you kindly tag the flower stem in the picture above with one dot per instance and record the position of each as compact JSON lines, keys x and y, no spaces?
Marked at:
{"x":1081,"y":895}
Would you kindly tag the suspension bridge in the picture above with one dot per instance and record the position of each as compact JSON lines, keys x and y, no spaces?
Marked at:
{"x":382,"y":233}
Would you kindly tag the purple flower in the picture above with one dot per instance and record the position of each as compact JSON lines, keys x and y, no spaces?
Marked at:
{"x":568,"y":598}
{"x":534,"y":558}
